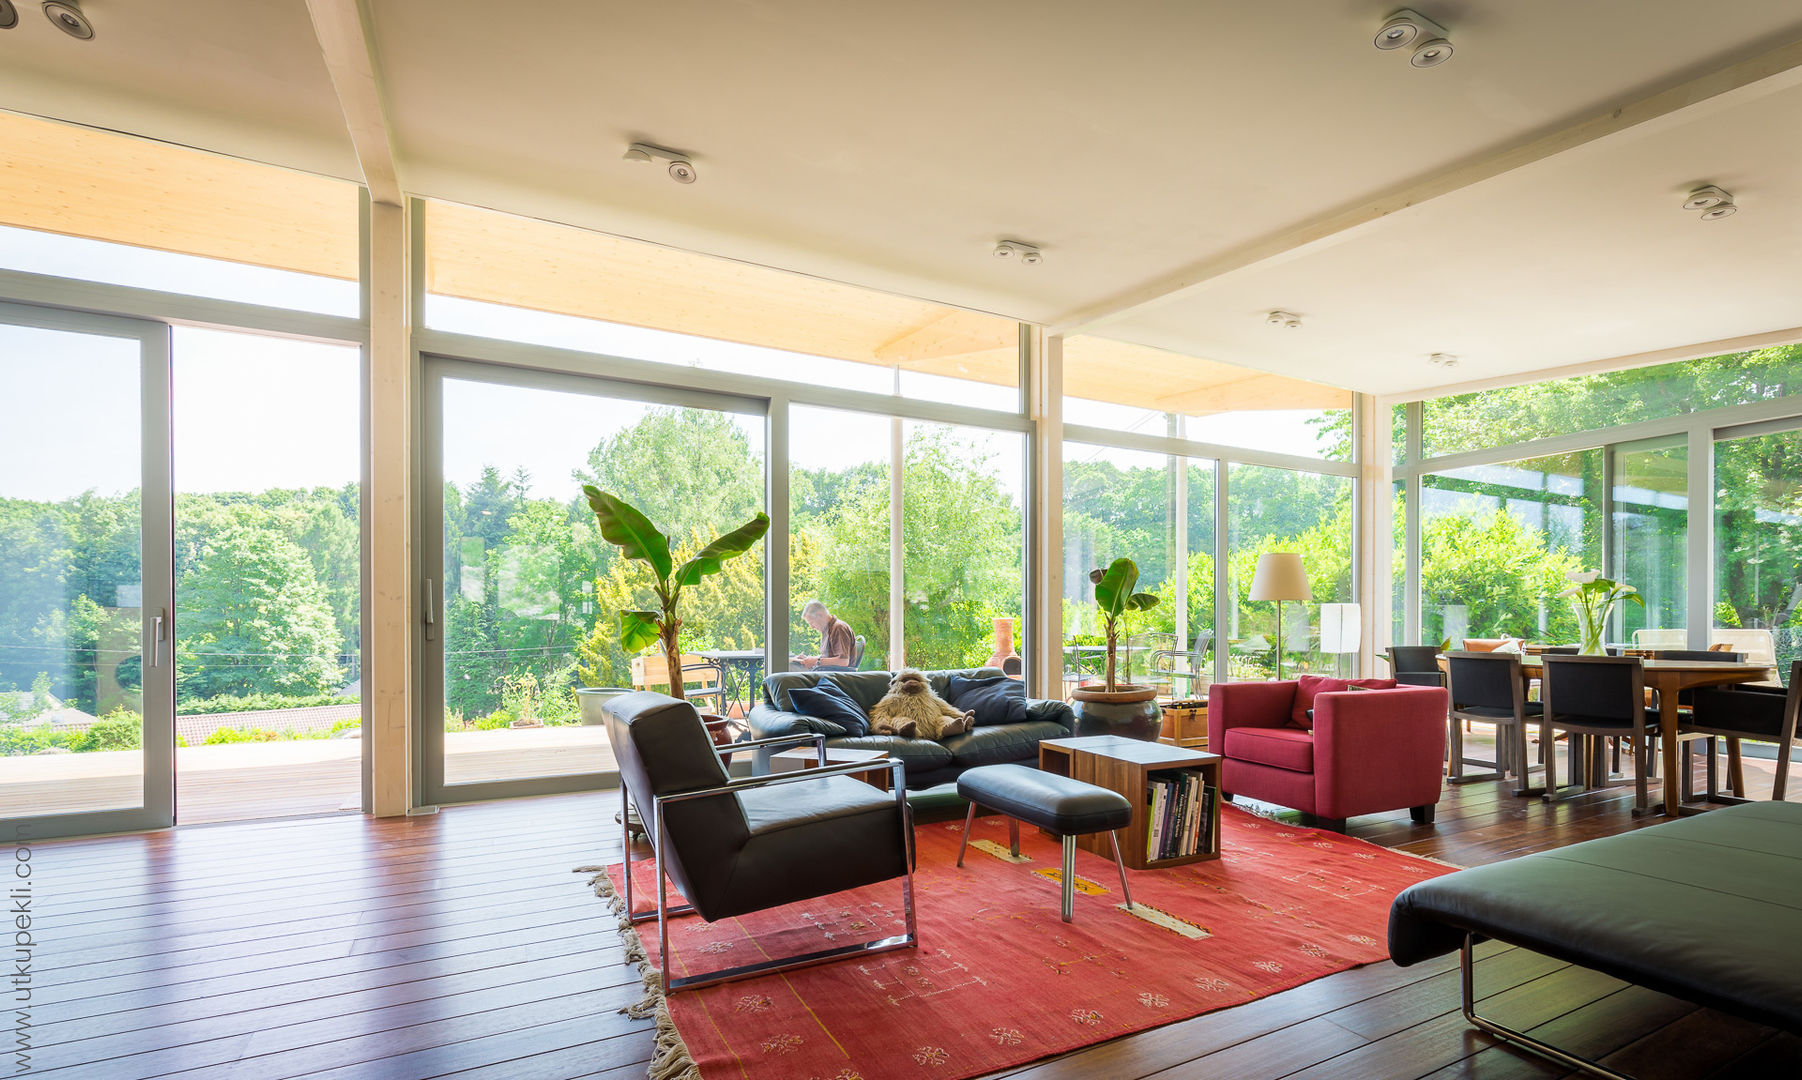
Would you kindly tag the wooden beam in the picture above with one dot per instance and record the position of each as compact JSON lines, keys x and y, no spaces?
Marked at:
{"x":348,"y":43}
{"x":950,"y":336}
{"x":1778,"y":69}
{"x":62,"y":178}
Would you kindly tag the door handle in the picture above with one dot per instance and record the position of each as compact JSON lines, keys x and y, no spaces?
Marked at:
{"x":428,"y":612}
{"x":158,"y":635}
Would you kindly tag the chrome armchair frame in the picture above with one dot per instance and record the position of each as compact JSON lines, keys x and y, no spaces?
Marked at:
{"x":663,"y":913}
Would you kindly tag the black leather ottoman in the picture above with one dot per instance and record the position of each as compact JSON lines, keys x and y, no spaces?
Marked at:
{"x":1067,"y":807}
{"x":1704,"y":908}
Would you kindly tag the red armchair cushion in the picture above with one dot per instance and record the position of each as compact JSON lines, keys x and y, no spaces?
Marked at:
{"x":1308,"y":686}
{"x":1284,"y":748}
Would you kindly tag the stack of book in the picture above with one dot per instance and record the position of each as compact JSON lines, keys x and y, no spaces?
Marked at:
{"x":1179,"y":814}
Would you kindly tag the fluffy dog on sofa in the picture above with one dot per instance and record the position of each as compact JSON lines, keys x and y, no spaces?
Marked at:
{"x":910,"y":709}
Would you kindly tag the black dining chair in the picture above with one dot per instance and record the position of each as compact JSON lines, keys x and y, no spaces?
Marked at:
{"x":1760,"y":713}
{"x":1487,"y":687}
{"x":1593,"y":698}
{"x":1415,"y":665}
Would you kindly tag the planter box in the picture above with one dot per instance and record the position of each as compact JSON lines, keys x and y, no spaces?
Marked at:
{"x":1185,"y":724}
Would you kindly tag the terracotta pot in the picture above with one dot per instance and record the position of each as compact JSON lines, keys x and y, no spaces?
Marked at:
{"x":1129,"y":711}
{"x":722,"y":731}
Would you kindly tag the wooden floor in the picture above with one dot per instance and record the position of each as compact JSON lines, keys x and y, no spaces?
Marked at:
{"x":461,"y":945}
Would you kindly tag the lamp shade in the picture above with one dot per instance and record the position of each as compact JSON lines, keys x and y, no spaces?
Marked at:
{"x":1280,"y":576}
{"x":1340,"y":629}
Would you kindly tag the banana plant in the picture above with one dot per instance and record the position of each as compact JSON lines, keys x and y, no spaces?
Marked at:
{"x":623,"y":526}
{"x":1115,"y":597}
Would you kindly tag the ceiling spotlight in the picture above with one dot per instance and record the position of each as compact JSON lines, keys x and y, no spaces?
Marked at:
{"x":1288,"y":320}
{"x":1014,"y":249}
{"x":1441,"y":359}
{"x":1431,"y":53}
{"x":1716,"y":213}
{"x":1706,"y":198}
{"x":67,"y":16}
{"x":9,"y":15}
{"x":1409,"y":28}
{"x":681,"y":169}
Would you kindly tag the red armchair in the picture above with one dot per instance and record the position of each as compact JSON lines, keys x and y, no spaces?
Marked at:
{"x":1362,"y":752}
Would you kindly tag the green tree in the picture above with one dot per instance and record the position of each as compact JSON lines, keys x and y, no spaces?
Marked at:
{"x":255,"y":619}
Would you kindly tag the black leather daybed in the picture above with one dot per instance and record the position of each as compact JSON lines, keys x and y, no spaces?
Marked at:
{"x":1707,"y":909}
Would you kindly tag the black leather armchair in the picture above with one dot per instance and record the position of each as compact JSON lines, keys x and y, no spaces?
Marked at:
{"x":735,"y":846}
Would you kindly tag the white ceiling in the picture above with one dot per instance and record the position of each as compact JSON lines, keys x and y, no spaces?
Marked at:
{"x":891,"y":145}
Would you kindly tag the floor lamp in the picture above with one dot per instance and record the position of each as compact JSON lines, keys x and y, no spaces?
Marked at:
{"x":1279,"y":577}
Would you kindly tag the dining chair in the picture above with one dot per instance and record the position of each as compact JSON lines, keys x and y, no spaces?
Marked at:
{"x":1487,"y":687}
{"x":1591,"y":698}
{"x":1415,"y":665}
{"x":1752,"y":711}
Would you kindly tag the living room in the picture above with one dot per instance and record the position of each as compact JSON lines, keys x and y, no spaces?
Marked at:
{"x":1319,"y":460}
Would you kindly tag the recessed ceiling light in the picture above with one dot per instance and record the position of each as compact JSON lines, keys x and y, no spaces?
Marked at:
{"x":67,"y":16}
{"x":1706,"y":198}
{"x":1016,"y":249}
{"x":1409,"y":28}
{"x":681,"y":170}
{"x":1441,"y":359}
{"x":1288,"y":320}
{"x":9,"y":15}
{"x":1716,"y":213}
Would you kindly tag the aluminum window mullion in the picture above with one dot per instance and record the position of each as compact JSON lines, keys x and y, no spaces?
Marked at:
{"x":1223,"y":586}
{"x":775,"y":545}
{"x":125,"y":301}
{"x":1699,"y":575}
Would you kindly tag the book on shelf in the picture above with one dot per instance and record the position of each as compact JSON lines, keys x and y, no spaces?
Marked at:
{"x":1179,"y":815}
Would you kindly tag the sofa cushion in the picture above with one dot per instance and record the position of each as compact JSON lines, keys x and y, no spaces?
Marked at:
{"x":1281,"y":747}
{"x":826,"y":700}
{"x":865,"y":687}
{"x":918,"y":755}
{"x":1307,"y":687}
{"x":995,"y":700}
{"x":1004,"y":743}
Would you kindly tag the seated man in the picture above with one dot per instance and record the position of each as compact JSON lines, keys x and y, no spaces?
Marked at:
{"x":838,"y":645}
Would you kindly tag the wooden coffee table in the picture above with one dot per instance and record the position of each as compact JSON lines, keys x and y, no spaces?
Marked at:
{"x":1125,"y":765}
{"x":808,"y":757}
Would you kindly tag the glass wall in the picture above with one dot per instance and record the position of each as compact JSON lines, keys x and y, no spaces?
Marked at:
{"x":839,"y":540}
{"x":268,"y":583}
{"x":1497,"y":542}
{"x":1280,"y":510}
{"x":1758,"y":546}
{"x":1514,"y":414}
{"x":1157,"y":510}
{"x":531,"y":594}
{"x":1650,"y":541}
{"x":963,"y":511}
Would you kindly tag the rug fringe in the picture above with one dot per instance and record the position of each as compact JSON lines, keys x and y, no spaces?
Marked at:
{"x":670,"y":1060}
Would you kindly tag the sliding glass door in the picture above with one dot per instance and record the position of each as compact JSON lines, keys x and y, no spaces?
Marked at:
{"x":522,"y":595}
{"x":87,"y":686}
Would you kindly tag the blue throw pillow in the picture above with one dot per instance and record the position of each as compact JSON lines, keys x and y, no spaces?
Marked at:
{"x":829,"y":701}
{"x":995,"y":700}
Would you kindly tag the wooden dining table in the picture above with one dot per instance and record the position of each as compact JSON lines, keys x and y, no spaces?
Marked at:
{"x":1668,"y":678}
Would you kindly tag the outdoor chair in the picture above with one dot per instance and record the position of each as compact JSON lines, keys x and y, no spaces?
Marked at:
{"x":1750,"y":711}
{"x":1487,"y":687}
{"x":1164,"y":666}
{"x":1597,"y":697}
{"x":857,"y":654}
{"x":737,"y":846}
{"x":700,"y":677}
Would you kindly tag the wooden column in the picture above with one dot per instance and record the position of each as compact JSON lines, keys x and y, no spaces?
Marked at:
{"x":389,"y":660}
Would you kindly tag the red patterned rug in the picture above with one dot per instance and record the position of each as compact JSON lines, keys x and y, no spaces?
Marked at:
{"x":998,"y":979}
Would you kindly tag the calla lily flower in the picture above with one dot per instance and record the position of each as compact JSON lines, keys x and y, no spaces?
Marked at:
{"x":1583,"y":577}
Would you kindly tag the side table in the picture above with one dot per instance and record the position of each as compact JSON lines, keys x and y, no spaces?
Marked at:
{"x":1125,"y":765}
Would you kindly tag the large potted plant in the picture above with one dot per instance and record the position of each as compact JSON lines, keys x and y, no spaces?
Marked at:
{"x":1115,"y":707}
{"x":626,"y":528}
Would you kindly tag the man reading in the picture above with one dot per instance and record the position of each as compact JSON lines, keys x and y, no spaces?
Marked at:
{"x":838,"y":645}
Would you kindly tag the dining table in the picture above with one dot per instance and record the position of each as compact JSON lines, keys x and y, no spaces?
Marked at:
{"x":1667,"y":679}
